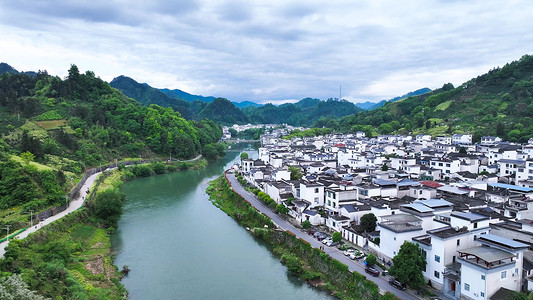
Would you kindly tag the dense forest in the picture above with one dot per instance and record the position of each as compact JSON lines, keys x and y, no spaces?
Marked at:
{"x":302,"y":113}
{"x":66,"y":126}
{"x":499,"y":102}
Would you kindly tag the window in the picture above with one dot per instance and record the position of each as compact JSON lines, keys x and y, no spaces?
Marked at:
{"x":316,"y":200}
{"x":437,"y":274}
{"x":482,"y":294}
{"x":458,"y":242}
{"x":503,"y":274}
{"x":447,"y":165}
{"x":316,"y":190}
{"x":437,"y":258}
{"x":394,"y":238}
{"x":440,"y":164}
{"x":482,"y":277}
{"x":475,"y":225}
{"x":467,"y":287}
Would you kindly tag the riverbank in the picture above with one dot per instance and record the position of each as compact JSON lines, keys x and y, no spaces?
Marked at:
{"x":310,"y":264}
{"x":72,"y":258}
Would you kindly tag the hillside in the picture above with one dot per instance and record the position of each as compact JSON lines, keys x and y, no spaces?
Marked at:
{"x":223,"y":111}
{"x":373,"y":105}
{"x":305,"y":112}
{"x":73,"y":124}
{"x":195,"y":108}
{"x":147,"y":95}
{"x":498,"y":103}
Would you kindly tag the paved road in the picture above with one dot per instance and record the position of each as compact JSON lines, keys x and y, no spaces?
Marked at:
{"x":357,"y":266}
{"x":73,"y":205}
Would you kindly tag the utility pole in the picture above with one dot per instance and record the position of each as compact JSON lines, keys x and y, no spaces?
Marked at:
{"x":7,"y":228}
{"x":31,"y":218}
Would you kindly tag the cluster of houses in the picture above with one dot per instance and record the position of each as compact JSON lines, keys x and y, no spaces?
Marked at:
{"x":282,"y":129}
{"x":468,"y":206}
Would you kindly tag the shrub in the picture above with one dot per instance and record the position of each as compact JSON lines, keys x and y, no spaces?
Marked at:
{"x":306,"y":224}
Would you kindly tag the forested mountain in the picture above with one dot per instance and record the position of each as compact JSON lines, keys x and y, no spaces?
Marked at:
{"x":221,"y":110}
{"x":302,"y":113}
{"x":179,"y":94}
{"x":147,"y":95}
{"x":373,"y":105}
{"x":499,"y":102}
{"x":72,"y":124}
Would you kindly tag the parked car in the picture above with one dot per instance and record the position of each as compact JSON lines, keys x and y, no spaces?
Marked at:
{"x":320,"y":235}
{"x":349,"y":251}
{"x":397,"y":284}
{"x":330,"y":243}
{"x":372,"y":271}
{"x":324,"y":241}
{"x":357,"y":255}
{"x":311,"y":231}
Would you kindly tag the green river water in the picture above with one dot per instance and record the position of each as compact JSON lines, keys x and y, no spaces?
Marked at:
{"x":180,"y":246}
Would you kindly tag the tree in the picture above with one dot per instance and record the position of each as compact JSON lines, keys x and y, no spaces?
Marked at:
{"x":368,"y":222}
{"x":108,"y":206}
{"x":244,"y":156}
{"x":336,"y":237}
{"x":296,"y":173}
{"x":27,"y":157}
{"x":306,"y":224}
{"x":408,"y":264}
{"x":282,"y":209}
{"x":462,"y":150}
{"x":13,"y":287}
{"x":371,"y":259}
{"x":500,"y":129}
{"x":384,"y":167}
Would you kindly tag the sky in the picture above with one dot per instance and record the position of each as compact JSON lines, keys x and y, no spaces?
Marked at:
{"x":269,"y":51}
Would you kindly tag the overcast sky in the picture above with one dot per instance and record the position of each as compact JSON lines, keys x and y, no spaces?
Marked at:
{"x":269,"y":50}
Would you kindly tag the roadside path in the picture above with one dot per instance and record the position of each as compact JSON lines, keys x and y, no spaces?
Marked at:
{"x":382,"y":282}
{"x":73,"y":205}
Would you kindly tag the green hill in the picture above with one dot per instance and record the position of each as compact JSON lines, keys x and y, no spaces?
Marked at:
{"x":223,"y":111}
{"x":147,"y":95}
{"x":305,"y":112}
{"x":499,"y":102}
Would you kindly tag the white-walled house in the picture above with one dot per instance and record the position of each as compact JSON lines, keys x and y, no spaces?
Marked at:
{"x":312,"y":192}
{"x":441,"y":246}
{"x":394,"y":230}
{"x":496,"y":263}
{"x":335,"y":197}
{"x":462,"y":139}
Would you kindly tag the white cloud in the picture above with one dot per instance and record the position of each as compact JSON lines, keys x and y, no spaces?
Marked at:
{"x":269,"y":50}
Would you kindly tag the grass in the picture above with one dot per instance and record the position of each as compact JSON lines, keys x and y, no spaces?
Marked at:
{"x":443,"y":105}
{"x":51,"y":125}
{"x":113,"y":180}
{"x":37,"y":165}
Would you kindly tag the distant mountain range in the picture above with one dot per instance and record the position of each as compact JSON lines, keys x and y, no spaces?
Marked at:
{"x":374,"y":105}
{"x":5,"y":68}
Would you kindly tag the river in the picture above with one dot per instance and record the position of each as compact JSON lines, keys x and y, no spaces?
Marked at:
{"x":180,"y":246}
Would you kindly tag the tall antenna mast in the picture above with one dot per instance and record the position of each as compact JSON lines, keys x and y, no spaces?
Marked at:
{"x":340,"y":92}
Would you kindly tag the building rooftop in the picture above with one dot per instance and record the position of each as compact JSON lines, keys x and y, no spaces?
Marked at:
{"x":501,"y":241}
{"x":401,"y":222}
{"x":472,"y":217}
{"x":486,"y":257}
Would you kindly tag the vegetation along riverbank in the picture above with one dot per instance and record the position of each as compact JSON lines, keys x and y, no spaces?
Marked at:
{"x":72,"y":258}
{"x":308,"y":263}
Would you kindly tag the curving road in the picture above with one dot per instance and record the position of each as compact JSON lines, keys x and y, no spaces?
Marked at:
{"x":73,"y":205}
{"x":382,"y":282}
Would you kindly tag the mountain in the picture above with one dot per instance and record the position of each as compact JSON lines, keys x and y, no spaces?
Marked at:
{"x":147,"y":95}
{"x":244,"y":104}
{"x":179,"y":94}
{"x":498,"y":103}
{"x":373,"y":105}
{"x":222,"y":111}
{"x":5,"y":68}
{"x":305,"y":112}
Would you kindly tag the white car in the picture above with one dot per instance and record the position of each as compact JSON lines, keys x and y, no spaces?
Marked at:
{"x":328,"y":239}
{"x":349,"y":251}
{"x":357,"y":255}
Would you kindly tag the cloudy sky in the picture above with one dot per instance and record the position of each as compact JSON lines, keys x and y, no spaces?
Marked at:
{"x":269,"y":50}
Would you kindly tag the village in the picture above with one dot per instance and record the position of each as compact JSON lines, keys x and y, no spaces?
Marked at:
{"x":468,"y":206}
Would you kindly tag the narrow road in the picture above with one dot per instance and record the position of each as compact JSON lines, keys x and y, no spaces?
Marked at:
{"x":73,"y":205}
{"x":382,"y":282}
